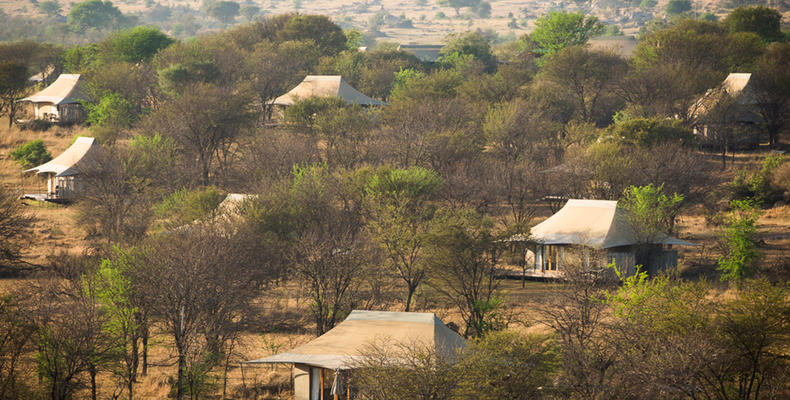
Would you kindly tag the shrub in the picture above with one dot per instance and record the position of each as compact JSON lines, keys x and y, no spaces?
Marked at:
{"x":31,"y":154}
{"x":184,"y":206}
{"x":36,"y":125}
{"x":781,"y":178}
{"x":758,"y":186}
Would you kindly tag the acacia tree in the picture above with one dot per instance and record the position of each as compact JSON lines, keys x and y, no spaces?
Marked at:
{"x":558,"y":30}
{"x":462,"y":253}
{"x":203,"y":121}
{"x":772,"y":84}
{"x":13,"y":81}
{"x":13,"y":227}
{"x":585,"y":77}
{"x":199,"y":283}
{"x":401,"y":213}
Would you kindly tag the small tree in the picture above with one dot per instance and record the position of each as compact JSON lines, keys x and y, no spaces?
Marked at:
{"x":463,"y":252}
{"x":676,"y":7}
{"x":558,"y":30}
{"x":457,"y":5}
{"x":651,"y":215}
{"x":507,"y":365}
{"x":13,"y":80}
{"x":13,"y":227}
{"x":741,"y":253}
{"x":50,"y":7}
{"x":224,"y":11}
{"x":31,"y":154}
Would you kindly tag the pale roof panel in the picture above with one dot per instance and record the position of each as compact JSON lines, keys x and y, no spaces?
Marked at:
{"x":325,"y":86}
{"x":65,"y":90}
{"x":67,"y":163}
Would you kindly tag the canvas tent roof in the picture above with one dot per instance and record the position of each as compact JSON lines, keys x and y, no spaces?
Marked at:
{"x":596,"y":223}
{"x":736,"y":85}
{"x":425,"y":52}
{"x":345,"y":343}
{"x":65,"y":90}
{"x":325,"y":86}
{"x":68,"y":163}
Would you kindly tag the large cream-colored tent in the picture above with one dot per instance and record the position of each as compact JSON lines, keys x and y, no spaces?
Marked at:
{"x":61,"y":171}
{"x":596,"y":224}
{"x":325,"y":86}
{"x":744,"y":112}
{"x":60,"y":101}
{"x":345,"y":345}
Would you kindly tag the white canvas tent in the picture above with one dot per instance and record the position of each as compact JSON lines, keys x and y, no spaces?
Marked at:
{"x":325,"y":86}
{"x":345,"y":344}
{"x":61,"y":171}
{"x":60,"y":101}
{"x":595,"y":224}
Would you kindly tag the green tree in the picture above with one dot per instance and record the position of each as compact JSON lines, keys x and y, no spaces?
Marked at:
{"x":186,"y":206}
{"x":585,"y":78}
{"x":31,"y":154}
{"x":401,"y":213}
{"x":469,"y":44}
{"x":763,"y":21}
{"x":112,"y":111}
{"x":507,"y":365}
{"x":250,"y":12}
{"x":320,"y":29}
{"x":558,"y":30}
{"x":462,"y":253}
{"x":647,"y":132}
{"x":651,"y":214}
{"x":96,"y":14}
{"x":675,"y":7}
{"x":13,"y":81}
{"x":741,"y":255}
{"x":772,"y":81}
{"x":458,"y":4}
{"x":138,"y":44}
{"x":51,"y":8}
{"x":224,"y":11}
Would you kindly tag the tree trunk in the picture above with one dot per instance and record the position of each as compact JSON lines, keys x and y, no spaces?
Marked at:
{"x":182,"y":365}
{"x":92,"y":372}
{"x":409,"y":296}
{"x":145,"y":349}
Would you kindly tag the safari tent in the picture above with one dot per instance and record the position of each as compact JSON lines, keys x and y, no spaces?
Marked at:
{"x":325,"y":86}
{"x":322,"y":367}
{"x":745,"y":110}
{"x":60,"y":101}
{"x":602,"y":228}
{"x":62,"y":172}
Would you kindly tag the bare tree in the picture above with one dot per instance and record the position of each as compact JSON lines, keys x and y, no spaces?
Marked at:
{"x":14,"y":225}
{"x":576,"y":313}
{"x":203,"y":120}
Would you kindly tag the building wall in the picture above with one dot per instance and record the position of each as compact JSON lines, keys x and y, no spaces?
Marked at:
{"x":71,"y":113}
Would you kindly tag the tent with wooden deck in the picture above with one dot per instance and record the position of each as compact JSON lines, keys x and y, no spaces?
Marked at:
{"x":599,"y":225}
{"x":325,"y":86}
{"x":322,"y":366}
{"x":62,"y":172}
{"x":60,"y":101}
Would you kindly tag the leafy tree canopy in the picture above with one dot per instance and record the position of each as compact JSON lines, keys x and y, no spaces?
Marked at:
{"x":95,"y":14}
{"x":675,"y":7}
{"x":646,"y":132}
{"x":458,"y":4}
{"x":763,"y":21}
{"x":224,"y":11}
{"x":31,"y":154}
{"x":318,"y":28}
{"x":137,"y":44}
{"x":469,"y":44}
{"x":557,"y":30}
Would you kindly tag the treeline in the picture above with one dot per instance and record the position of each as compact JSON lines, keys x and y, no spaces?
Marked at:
{"x":418,"y":195}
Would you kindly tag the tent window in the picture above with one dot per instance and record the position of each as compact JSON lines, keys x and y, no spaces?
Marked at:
{"x":552,"y":258}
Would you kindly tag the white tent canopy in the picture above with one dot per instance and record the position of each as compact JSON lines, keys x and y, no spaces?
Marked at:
{"x":81,"y":152}
{"x":65,"y":90}
{"x":325,"y":86}
{"x":595,"y":223}
{"x":345,"y":344}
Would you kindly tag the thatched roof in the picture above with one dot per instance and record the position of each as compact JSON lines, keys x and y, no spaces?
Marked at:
{"x":325,"y":86}
{"x":345,"y":344}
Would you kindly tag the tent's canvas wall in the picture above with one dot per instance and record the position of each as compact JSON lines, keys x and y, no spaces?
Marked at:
{"x":60,"y":101}
{"x":548,"y":261}
{"x":63,"y":113}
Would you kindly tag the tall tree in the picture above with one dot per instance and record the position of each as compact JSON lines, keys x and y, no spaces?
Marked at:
{"x":763,"y":21}
{"x":401,"y":212}
{"x":203,"y":121}
{"x":557,"y":30}
{"x":772,"y":84}
{"x":13,"y":82}
{"x":96,"y":14}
